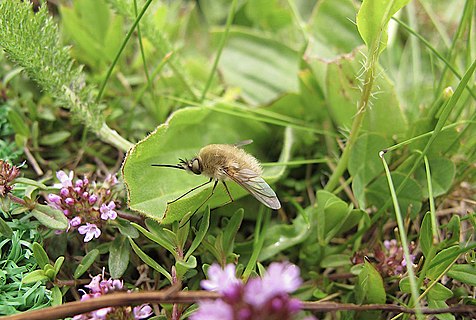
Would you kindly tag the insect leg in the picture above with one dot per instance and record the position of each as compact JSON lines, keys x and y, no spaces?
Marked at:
{"x":194,"y":188}
{"x":209,"y":196}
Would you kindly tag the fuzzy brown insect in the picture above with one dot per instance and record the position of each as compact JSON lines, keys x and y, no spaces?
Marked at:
{"x":222,"y":162}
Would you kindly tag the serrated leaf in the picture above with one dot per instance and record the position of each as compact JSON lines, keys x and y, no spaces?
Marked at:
{"x":151,"y":188}
{"x":40,"y":255}
{"x":86,"y":262}
{"x":119,"y":253}
{"x":50,"y":217}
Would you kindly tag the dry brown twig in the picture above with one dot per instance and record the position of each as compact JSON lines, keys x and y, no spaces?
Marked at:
{"x":173,"y":295}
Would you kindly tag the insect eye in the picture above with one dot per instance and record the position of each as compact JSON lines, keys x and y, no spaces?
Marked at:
{"x":195,"y":166}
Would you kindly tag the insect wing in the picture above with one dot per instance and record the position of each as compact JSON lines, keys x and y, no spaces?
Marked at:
{"x":256,"y":186}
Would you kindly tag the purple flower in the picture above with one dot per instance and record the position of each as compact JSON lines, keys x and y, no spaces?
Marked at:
{"x":64,"y":192}
{"x":69,"y":201}
{"x":107,"y":211}
{"x":92,"y":199}
{"x":54,"y":198}
{"x":282,"y":278}
{"x":66,"y":181}
{"x":263,"y":298}
{"x":223,"y":281}
{"x":213,"y":310}
{"x":76,"y":221}
{"x":142,"y":312}
{"x":91,"y":230}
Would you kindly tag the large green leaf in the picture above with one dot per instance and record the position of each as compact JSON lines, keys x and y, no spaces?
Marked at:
{"x":50,"y":217}
{"x":185,"y":132}
{"x":261,"y":67}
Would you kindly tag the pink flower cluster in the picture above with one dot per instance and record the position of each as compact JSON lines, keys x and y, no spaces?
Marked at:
{"x":98,"y":287}
{"x":86,"y":205}
{"x":260,"y":298}
{"x":389,"y":258}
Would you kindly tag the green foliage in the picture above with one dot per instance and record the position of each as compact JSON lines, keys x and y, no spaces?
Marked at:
{"x":322,"y":87}
{"x":17,"y":264}
{"x":32,"y":41}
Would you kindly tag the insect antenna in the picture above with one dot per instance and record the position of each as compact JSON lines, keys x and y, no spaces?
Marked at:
{"x":175,"y":166}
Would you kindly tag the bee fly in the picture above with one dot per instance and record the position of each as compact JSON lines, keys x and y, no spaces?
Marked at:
{"x":221,"y":162}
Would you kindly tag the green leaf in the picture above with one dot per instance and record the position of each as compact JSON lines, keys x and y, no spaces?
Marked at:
{"x":231,"y":229}
{"x":364,"y":162}
{"x":58,"y":264}
{"x":439,"y":292}
{"x":202,"y":231}
{"x":280,"y":237}
{"x":183,"y":266}
{"x":5,"y":229}
{"x":373,"y":18}
{"x":343,"y":91}
{"x":150,"y":188}
{"x":369,"y":287}
{"x":56,"y":296}
{"x":40,"y":255}
{"x":86,"y":262}
{"x":34,"y":276}
{"x":126,"y":228}
{"x":439,"y":304}
{"x":441,"y":261}
{"x":157,"y":235}
{"x":426,"y":234}
{"x":332,"y":26}
{"x":331,"y":212}
{"x":464,"y":273}
{"x":119,"y":253}
{"x":263,"y":68}
{"x":18,"y":123}
{"x":442,"y":176}
{"x":55,"y":138}
{"x":336,"y":260}
{"x":31,"y":182}
{"x":409,"y":198}
{"x":50,"y":217}
{"x":149,"y":261}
